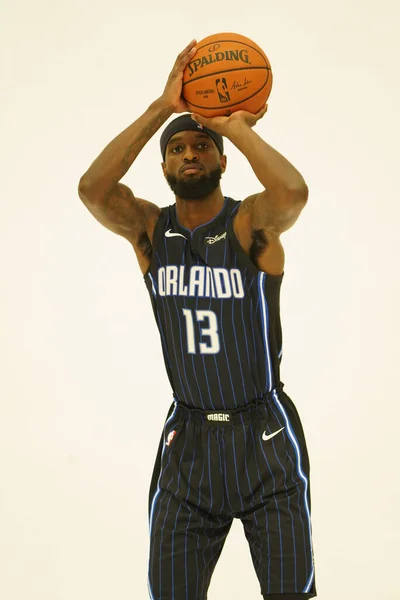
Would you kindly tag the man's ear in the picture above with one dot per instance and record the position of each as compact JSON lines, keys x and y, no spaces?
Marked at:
{"x":164,"y":168}
{"x":223,"y":161}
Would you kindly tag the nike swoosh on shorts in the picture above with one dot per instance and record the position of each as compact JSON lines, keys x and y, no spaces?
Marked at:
{"x":266,"y":437}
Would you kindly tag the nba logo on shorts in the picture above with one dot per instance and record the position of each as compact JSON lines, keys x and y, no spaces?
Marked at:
{"x":222,"y":89}
{"x":170,"y":437}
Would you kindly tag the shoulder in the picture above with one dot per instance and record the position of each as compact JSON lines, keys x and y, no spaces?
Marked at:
{"x":261,"y":244}
{"x":153,"y":216}
{"x":242,"y":222}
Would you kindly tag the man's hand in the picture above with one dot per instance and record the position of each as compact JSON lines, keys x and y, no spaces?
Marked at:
{"x":172,"y":94}
{"x":223,"y":125}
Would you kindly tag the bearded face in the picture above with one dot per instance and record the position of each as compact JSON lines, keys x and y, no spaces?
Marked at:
{"x":195,"y":186}
{"x":193,"y":165}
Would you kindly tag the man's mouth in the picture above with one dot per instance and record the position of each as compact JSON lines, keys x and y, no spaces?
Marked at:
{"x":191,"y":168}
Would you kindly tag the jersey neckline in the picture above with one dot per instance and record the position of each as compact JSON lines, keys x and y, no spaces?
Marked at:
{"x":203,"y":224}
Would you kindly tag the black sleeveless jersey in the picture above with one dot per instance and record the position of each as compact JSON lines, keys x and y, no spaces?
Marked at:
{"x":218,"y":315}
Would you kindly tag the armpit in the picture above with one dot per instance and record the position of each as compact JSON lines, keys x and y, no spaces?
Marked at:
{"x":259,"y":244}
{"x":144,"y":245}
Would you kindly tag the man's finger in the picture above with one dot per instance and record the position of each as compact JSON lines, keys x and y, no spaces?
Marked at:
{"x":188,"y":48}
{"x":204,"y":121}
{"x":262,"y":112}
{"x":184,"y":57}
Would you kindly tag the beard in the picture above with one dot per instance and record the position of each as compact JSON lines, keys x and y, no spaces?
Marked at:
{"x":196,"y":188}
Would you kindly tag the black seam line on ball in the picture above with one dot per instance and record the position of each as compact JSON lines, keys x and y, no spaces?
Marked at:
{"x":225,"y":71}
{"x":230,"y":42}
{"x":230,"y":105}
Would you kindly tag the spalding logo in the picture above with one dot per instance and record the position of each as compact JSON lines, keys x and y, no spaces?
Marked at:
{"x":240,"y":56}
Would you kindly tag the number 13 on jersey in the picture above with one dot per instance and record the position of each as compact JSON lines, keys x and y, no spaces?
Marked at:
{"x":210,"y":329}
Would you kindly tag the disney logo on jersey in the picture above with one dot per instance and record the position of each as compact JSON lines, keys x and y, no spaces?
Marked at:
{"x":217,"y":238}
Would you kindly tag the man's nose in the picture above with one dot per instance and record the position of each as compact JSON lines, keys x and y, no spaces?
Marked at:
{"x":190,"y":154}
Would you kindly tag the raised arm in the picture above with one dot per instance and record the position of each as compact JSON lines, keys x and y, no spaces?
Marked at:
{"x":112,"y":203}
{"x":263,"y":217}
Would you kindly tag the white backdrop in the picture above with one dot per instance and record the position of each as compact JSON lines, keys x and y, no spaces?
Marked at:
{"x":83,"y":388}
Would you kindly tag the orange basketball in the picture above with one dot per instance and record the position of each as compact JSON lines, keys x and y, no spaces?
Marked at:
{"x":229,"y":72}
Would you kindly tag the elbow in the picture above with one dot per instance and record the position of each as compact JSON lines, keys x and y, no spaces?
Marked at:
{"x":298,"y":193}
{"x":83,"y":185}
{"x":82,"y":191}
{"x":86,"y":189}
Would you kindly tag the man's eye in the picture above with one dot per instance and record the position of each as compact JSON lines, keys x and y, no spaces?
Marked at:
{"x":176,"y":149}
{"x":204,"y":144}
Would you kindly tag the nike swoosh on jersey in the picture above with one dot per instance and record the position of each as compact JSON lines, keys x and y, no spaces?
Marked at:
{"x":169,"y":234}
{"x":266,"y":437}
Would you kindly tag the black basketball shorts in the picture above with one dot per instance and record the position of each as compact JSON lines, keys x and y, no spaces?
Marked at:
{"x":251,"y":464}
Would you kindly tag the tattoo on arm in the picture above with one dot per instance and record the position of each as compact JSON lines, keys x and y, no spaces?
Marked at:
{"x":121,"y":206}
{"x":141,"y":140}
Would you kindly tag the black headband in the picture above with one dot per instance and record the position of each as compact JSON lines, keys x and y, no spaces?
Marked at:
{"x":184,"y":123}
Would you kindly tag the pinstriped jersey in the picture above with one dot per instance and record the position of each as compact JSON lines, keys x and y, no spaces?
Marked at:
{"x":217,"y":313}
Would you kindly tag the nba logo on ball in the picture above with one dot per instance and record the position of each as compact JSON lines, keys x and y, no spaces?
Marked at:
{"x":222,"y":89}
{"x":170,"y":437}
{"x":229,"y":72}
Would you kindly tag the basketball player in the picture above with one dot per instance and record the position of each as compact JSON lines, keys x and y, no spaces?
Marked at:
{"x":233,"y":444}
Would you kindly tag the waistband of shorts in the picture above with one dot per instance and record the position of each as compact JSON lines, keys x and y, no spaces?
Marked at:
{"x":254,"y":409}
